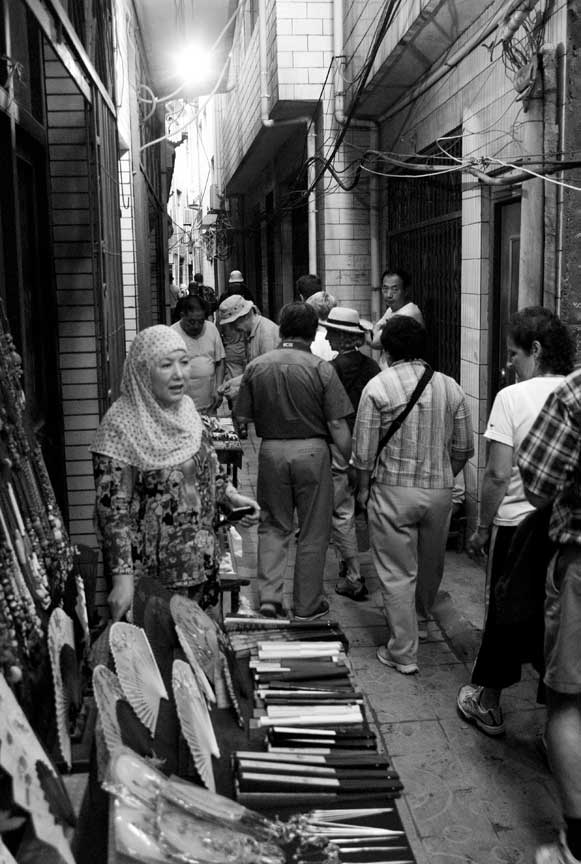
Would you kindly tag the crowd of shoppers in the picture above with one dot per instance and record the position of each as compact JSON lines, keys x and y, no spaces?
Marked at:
{"x":339,"y":433}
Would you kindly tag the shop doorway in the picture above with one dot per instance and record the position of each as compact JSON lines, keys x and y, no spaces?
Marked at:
{"x":504,"y":290}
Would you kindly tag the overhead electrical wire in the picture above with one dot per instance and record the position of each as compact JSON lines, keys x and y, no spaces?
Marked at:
{"x":391,"y":8}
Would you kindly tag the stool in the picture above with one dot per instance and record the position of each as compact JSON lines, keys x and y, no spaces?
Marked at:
{"x":232,"y":586}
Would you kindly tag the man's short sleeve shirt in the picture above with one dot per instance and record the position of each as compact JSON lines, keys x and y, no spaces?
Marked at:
{"x":291,"y":393}
{"x":550,"y":459}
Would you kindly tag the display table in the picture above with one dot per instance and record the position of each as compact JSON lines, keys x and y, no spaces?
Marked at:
{"x":366,"y":822}
{"x":226,"y":443}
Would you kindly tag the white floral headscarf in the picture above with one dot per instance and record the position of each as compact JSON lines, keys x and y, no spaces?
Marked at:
{"x":137,"y":429}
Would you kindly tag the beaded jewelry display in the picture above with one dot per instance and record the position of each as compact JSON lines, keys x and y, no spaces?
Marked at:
{"x":36,"y":556}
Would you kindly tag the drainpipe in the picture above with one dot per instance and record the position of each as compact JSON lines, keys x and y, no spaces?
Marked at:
{"x":269,"y":123}
{"x":532,"y":220}
{"x":373,"y":126}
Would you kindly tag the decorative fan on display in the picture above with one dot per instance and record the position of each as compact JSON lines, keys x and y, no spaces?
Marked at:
{"x":195,"y":721}
{"x":199,"y":631}
{"x":201,"y":676}
{"x":63,"y":661}
{"x":138,"y":672}
{"x":108,"y":692}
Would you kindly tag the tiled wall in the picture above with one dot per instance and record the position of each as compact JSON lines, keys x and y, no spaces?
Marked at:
{"x":73,"y":261}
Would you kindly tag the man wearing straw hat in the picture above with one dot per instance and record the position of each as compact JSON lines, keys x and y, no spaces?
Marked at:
{"x":261,"y":334}
{"x":346,"y":334}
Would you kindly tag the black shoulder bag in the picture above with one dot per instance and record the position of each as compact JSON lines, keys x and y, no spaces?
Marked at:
{"x":419,"y":389}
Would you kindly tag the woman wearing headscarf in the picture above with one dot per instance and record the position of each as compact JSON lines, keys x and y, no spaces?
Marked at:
{"x":157,"y":477}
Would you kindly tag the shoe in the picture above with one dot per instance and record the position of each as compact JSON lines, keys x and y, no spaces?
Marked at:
{"x":385,"y":657}
{"x":555,"y":853}
{"x":271,"y":610}
{"x":322,"y":610}
{"x":354,"y":590}
{"x":488,"y":720}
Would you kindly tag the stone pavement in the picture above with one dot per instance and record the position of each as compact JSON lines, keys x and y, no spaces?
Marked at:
{"x":467,"y":797}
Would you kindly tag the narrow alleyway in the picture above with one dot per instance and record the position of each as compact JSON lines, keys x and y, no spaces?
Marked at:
{"x":467,"y":797}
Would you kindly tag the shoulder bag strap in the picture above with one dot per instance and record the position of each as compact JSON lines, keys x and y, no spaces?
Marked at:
{"x":419,"y":389}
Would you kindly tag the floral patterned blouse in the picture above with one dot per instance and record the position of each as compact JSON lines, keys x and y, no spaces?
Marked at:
{"x":160,"y":523}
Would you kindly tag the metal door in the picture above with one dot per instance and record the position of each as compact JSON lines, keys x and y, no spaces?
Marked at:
{"x":505,"y":289}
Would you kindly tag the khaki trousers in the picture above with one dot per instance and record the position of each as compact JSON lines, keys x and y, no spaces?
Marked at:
{"x":408,"y":528}
{"x":294,"y":474}
{"x":343,"y":535}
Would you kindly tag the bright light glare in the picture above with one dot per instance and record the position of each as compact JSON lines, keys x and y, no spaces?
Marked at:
{"x":193,"y":64}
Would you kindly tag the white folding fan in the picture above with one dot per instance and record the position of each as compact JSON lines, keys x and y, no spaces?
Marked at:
{"x":137,"y":671}
{"x":195,"y":721}
{"x":200,"y":632}
{"x":61,"y":649}
{"x":201,"y":676}
{"x":108,"y":692}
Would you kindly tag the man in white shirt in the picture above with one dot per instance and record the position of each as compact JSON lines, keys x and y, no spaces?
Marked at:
{"x":206,"y":354}
{"x":395,"y":289}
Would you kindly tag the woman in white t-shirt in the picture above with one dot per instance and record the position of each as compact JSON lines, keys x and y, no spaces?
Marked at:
{"x":541,"y":352}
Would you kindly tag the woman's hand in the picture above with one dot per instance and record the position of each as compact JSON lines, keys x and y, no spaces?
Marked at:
{"x":476,"y":544}
{"x":238,"y":500}
{"x":121,"y":597}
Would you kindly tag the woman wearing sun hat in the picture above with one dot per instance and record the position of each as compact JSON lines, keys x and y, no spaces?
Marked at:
{"x":346,"y":335}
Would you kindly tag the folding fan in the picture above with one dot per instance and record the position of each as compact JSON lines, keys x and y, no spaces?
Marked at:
{"x":201,"y":676}
{"x":137,"y":671}
{"x":200,"y":632}
{"x":108,"y":692}
{"x":195,"y":721}
{"x":63,"y":662}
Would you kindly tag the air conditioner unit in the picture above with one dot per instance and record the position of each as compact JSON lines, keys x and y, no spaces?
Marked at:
{"x":215,"y":198}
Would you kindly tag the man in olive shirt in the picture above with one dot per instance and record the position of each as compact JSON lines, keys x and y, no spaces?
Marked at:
{"x":298,"y":405}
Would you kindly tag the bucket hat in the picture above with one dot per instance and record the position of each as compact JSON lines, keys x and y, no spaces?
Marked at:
{"x":343,"y":318}
{"x":235,"y":276}
{"x":233,"y":307}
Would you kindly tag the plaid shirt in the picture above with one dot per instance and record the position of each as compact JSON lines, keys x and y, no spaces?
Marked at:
{"x":437,"y":428}
{"x":550,"y":459}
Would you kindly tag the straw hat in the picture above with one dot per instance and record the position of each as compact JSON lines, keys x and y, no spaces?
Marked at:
{"x":235,"y":276}
{"x":343,"y":318}
{"x":233,"y":307}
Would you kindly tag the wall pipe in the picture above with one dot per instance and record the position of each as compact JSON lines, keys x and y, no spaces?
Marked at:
{"x":373,"y":126}
{"x":269,"y":123}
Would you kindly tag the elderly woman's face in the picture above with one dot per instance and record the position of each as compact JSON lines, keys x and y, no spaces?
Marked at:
{"x":169,"y":375}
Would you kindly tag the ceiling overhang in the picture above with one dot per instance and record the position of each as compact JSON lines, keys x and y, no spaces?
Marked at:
{"x":169,"y":26}
{"x":419,"y":49}
{"x":270,"y":141}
